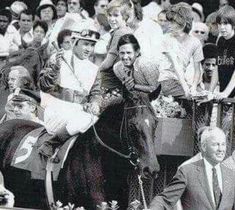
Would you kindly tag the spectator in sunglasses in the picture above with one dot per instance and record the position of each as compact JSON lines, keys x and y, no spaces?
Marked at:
{"x":201,"y":31}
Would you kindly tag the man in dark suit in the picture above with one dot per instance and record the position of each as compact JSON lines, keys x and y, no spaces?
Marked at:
{"x":205,"y":184}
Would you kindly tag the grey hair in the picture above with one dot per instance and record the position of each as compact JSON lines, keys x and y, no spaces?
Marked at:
{"x":210,"y":132}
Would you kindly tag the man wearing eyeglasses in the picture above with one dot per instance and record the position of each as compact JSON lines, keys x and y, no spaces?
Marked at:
{"x":71,"y":88}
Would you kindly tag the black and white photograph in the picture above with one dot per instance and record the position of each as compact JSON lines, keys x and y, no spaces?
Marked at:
{"x":117,"y":104}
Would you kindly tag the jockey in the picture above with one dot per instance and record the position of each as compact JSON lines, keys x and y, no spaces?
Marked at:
{"x":23,"y":104}
{"x":71,"y":91}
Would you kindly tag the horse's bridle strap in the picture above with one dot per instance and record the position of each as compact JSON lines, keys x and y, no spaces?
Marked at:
{"x":134,"y":107}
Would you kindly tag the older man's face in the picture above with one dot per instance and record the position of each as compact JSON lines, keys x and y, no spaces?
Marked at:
{"x":215,"y":149}
{"x":14,"y":80}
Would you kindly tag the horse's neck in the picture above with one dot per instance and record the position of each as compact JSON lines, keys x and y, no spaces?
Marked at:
{"x":136,"y":98}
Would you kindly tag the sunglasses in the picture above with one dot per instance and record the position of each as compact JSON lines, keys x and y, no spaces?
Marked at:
{"x":73,"y":3}
{"x":4,"y":21}
{"x":199,"y":32}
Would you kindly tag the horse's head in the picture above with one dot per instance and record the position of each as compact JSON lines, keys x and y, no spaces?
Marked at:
{"x":143,"y":155}
{"x":140,"y":125}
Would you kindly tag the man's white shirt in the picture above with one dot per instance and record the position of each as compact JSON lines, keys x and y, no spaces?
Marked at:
{"x":209,"y":175}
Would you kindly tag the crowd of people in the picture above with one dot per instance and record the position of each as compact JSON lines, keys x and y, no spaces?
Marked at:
{"x":59,"y":59}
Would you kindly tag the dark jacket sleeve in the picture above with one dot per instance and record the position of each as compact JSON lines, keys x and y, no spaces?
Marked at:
{"x":48,"y":78}
{"x":172,"y":193}
{"x":95,"y":92}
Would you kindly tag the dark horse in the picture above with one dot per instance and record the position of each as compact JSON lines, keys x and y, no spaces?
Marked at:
{"x":82,"y":181}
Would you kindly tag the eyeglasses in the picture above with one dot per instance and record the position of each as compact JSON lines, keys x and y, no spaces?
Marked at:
{"x":199,"y":32}
{"x":72,"y":2}
{"x":4,"y":21}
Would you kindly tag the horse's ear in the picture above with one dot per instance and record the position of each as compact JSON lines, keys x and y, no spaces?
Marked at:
{"x":155,"y":93}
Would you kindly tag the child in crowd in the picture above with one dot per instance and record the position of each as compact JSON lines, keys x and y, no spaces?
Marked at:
{"x":118,"y":24}
{"x":226,"y":53}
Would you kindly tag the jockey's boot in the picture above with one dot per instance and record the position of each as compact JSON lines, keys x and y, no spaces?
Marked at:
{"x":48,"y":147}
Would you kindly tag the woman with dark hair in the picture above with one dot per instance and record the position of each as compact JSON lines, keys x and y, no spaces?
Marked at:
{"x":40,"y":29}
{"x":64,"y":39}
{"x":147,"y":31}
{"x":136,"y":72}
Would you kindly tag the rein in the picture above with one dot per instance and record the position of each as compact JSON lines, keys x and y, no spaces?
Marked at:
{"x":131,"y":156}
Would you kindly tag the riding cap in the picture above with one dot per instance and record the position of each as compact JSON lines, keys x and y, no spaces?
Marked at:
{"x":85,"y":32}
{"x":22,"y":95}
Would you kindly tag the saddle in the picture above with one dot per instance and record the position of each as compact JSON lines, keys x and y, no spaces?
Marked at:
{"x":27,"y":157}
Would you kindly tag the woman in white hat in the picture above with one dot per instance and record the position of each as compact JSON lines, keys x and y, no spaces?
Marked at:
{"x":46,"y":11}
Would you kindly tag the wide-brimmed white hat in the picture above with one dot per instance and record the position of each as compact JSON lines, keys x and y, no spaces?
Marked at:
{"x":44,"y":4}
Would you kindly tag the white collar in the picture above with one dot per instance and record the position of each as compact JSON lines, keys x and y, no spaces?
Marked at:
{"x":209,"y":166}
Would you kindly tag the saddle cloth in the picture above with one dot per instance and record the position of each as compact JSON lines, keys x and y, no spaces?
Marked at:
{"x":27,"y":157}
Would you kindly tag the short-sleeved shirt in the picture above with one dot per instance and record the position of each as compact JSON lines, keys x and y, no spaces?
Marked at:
{"x":187,"y":51}
{"x":226,"y":62}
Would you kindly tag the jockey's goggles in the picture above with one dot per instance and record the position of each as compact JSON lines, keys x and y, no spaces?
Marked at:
{"x":86,"y":34}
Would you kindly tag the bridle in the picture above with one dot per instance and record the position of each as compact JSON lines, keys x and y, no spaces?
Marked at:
{"x":133,"y":156}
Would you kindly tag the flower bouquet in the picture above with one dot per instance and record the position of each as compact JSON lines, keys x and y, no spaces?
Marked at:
{"x":166,"y":107}
{"x":174,"y":132}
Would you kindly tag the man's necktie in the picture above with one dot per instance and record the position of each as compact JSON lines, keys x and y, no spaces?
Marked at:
{"x":216,"y":188}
